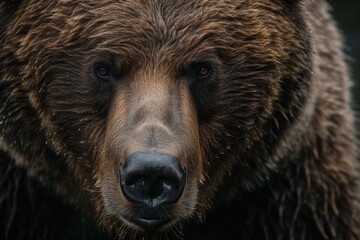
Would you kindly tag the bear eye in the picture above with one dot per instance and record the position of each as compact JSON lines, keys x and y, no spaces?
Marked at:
{"x":102,"y":71}
{"x":201,"y":70}
{"x":204,"y":72}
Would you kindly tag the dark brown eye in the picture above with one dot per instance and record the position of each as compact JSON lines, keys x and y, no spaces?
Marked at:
{"x":200,"y":71}
{"x":204,"y":72}
{"x":102,"y":72}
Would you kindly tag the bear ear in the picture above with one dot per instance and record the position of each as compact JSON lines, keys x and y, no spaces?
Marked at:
{"x":7,"y":9}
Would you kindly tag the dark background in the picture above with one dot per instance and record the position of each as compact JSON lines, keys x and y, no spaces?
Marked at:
{"x":347,"y":15}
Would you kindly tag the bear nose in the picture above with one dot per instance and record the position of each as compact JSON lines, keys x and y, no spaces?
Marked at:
{"x":152,"y":179}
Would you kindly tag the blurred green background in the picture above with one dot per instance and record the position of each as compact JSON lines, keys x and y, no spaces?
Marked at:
{"x":347,"y":15}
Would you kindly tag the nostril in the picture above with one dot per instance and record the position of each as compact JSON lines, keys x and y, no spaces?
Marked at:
{"x":152,"y":178}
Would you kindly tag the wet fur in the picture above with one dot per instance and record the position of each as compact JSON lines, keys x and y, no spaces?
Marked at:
{"x":276,"y":149}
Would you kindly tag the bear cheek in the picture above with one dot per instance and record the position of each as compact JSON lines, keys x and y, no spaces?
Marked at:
{"x":151,"y":163}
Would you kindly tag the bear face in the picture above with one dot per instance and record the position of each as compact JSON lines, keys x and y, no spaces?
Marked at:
{"x":114,"y":79}
{"x":150,"y":107}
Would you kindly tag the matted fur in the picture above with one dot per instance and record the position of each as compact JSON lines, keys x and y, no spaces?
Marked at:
{"x":267,"y":142}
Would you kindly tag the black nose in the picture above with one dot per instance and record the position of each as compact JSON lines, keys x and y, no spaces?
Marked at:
{"x":152,"y":179}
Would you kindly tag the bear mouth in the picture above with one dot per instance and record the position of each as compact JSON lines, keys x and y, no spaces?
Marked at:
{"x":148,"y":222}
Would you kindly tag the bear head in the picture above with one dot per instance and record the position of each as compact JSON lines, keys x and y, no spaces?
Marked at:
{"x":143,"y":110}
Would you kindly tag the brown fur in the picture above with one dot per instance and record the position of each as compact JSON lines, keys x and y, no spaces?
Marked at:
{"x":267,"y":142}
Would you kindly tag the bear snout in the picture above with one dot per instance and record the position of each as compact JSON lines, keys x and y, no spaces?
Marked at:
{"x":151,"y":181}
{"x":152,"y":165}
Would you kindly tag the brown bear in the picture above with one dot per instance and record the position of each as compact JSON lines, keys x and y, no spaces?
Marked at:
{"x":191,"y":119}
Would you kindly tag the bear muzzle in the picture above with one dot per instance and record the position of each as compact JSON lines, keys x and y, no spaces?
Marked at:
{"x":151,"y":164}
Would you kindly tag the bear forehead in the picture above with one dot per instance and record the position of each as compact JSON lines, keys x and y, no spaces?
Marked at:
{"x":155,"y":23}
{"x":144,"y":23}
